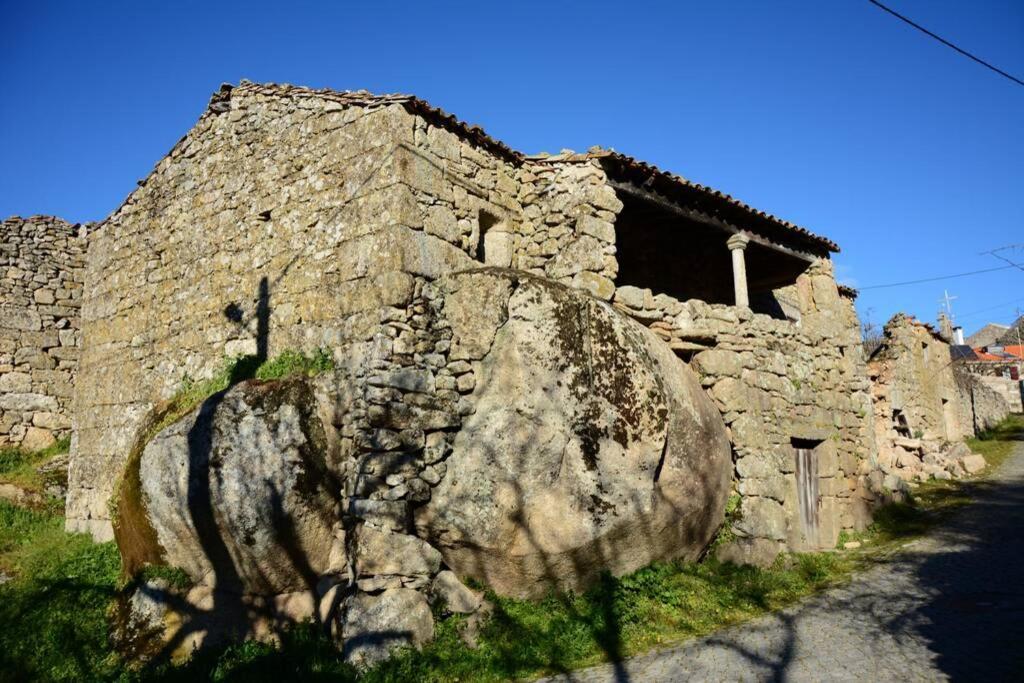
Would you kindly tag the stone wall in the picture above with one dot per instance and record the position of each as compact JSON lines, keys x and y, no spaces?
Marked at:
{"x":776,"y":381}
{"x":568,"y":229}
{"x":282,"y":220}
{"x":914,"y":384}
{"x":1009,"y":389}
{"x":297,"y":219}
{"x":981,"y":406}
{"x":918,"y":411}
{"x":41,"y":261}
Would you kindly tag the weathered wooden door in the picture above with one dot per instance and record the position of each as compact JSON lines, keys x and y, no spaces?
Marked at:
{"x":807,"y":493}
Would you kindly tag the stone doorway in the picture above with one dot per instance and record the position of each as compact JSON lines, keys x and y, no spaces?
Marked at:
{"x":807,"y":491}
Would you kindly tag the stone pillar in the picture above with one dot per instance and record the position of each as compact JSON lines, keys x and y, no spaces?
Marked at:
{"x":737,"y":245}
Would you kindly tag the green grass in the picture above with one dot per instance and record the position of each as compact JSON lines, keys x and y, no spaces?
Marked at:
{"x":997,"y":443}
{"x":19,"y":467}
{"x":656,"y":605}
{"x":55,"y":625}
{"x":54,"y":609}
{"x":192,"y":392}
{"x":934,"y":500}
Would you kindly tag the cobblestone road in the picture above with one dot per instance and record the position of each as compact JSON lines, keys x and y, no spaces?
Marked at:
{"x":950,"y":607}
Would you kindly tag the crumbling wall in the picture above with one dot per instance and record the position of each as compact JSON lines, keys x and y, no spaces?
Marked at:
{"x":41,"y":261}
{"x":776,"y":381}
{"x":918,"y":411}
{"x":913,"y":375}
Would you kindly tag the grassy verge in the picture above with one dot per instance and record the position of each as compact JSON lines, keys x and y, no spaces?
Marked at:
{"x":55,"y":622}
{"x":997,"y":443}
{"x":53,"y":608}
{"x":20,"y":467}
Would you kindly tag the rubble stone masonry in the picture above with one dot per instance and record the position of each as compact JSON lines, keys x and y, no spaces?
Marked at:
{"x":296,"y":219}
{"x":41,"y":262}
{"x":280,"y":221}
{"x":780,"y":384}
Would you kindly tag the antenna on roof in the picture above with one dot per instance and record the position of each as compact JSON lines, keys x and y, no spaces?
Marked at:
{"x":947,"y":304}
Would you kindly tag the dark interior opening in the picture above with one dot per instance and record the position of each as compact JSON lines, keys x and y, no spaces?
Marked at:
{"x":669,"y":253}
{"x":486,"y":221}
{"x":900,"y":424}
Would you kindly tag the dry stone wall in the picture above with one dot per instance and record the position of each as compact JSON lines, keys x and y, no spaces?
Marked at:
{"x":295,"y":219}
{"x":776,"y":381}
{"x":914,"y":388}
{"x":919,"y":412}
{"x":280,"y":221}
{"x":1012,"y":390}
{"x":981,"y":406}
{"x":41,"y":263}
{"x":568,"y":229}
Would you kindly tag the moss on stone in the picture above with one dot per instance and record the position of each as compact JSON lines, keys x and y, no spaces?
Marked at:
{"x":136,"y":537}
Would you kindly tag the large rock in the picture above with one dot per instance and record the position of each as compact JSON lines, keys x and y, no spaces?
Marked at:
{"x":237,"y":493}
{"x":973,"y":463}
{"x":374,"y":625}
{"x":591,"y":447}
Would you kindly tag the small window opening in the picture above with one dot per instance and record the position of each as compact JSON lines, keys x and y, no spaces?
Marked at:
{"x":925,"y":349}
{"x":900,"y":424}
{"x":494,"y":246}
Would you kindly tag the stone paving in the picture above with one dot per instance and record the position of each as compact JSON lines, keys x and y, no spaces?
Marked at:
{"x":951,"y":607}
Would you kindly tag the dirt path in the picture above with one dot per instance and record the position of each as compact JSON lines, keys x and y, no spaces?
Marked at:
{"x":950,"y":607}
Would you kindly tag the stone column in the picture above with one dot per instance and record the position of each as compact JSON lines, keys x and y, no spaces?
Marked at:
{"x":737,"y":245}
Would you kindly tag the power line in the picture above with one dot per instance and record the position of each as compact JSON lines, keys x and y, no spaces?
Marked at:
{"x":941,"y":277}
{"x":945,"y":42}
{"x":990,"y":308}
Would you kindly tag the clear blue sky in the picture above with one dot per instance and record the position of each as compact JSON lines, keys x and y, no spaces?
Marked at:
{"x":831,"y":114}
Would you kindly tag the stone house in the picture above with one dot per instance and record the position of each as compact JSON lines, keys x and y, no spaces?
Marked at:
{"x":291,"y":218}
{"x":41,"y":264}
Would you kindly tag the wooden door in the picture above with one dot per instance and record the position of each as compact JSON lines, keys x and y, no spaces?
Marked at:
{"x":807,"y":493}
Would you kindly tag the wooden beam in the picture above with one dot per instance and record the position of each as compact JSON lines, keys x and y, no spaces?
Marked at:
{"x":703,"y":218}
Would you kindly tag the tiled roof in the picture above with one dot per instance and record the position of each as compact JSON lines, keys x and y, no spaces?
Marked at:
{"x":677,"y":187}
{"x":1005,"y":354}
{"x":715,"y":202}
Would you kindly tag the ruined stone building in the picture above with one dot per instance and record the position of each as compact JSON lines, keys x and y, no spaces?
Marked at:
{"x":924,"y":407}
{"x":41,"y":263}
{"x":914,"y":388}
{"x":544,"y":366}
